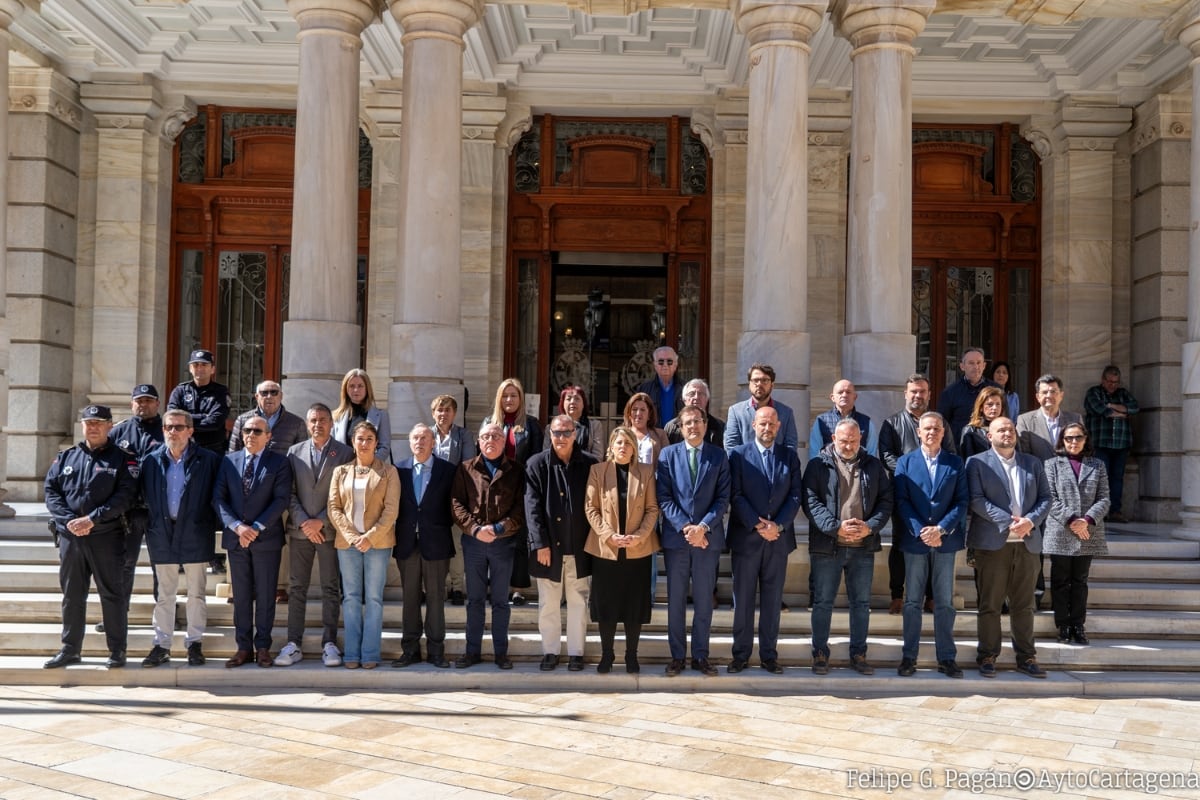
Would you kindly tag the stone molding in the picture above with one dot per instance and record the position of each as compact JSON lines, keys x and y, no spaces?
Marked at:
{"x":436,"y":19}
{"x":122,"y":106}
{"x":334,"y":17}
{"x":891,"y":25}
{"x":37,"y":90}
{"x":518,"y":120}
{"x":1164,"y":117}
{"x":1092,"y":128}
{"x":776,"y":22}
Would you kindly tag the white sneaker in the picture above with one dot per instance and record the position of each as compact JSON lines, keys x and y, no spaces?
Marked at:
{"x":290,"y":654}
{"x":331,"y":655}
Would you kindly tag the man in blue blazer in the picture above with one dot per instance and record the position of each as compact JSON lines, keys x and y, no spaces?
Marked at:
{"x":929,"y":528}
{"x":253,"y":488}
{"x":765,"y":481}
{"x":739,"y":424}
{"x":692,"y":480}
{"x":424,"y":547}
{"x":1010,"y":499}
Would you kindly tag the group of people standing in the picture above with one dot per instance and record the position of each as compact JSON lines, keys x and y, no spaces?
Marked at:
{"x":581,"y":513}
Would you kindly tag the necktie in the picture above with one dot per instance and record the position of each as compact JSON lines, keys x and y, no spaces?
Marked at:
{"x":248,"y":475}
{"x":768,"y":467}
{"x":419,"y":480}
{"x":692,"y":462}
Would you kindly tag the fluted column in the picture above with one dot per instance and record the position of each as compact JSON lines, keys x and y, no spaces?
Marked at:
{"x":1189,"y":514}
{"x":427,"y":338}
{"x":321,"y":337}
{"x":775,"y":277}
{"x":879,"y":348}
{"x":9,"y":9}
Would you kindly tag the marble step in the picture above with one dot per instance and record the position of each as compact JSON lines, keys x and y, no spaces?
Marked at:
{"x":1116,"y":595}
{"x":1122,"y":570}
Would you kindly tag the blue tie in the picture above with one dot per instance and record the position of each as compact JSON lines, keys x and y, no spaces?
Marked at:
{"x":248,"y":474}
{"x":419,"y":480}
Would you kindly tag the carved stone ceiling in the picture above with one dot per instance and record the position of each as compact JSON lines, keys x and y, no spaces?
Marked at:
{"x":999,"y":50}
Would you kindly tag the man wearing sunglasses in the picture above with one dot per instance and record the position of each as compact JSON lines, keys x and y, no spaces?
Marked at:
{"x":665,"y":388}
{"x":287,"y":429}
{"x":253,"y":489}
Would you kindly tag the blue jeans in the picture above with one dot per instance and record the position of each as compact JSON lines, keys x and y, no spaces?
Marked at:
{"x":858,"y":565}
{"x":917,"y":568}
{"x":1114,"y":465}
{"x":487,"y":569}
{"x":363,"y":577}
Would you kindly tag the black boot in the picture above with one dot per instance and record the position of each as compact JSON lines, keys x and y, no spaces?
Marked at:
{"x":1079,"y":635}
{"x":606,"y":661}
{"x":631,"y":662}
{"x":1064,"y":634}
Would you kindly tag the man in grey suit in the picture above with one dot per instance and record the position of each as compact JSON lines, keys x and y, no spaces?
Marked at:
{"x":452,"y":443}
{"x":739,"y":422}
{"x":1010,"y":499}
{"x":310,"y":535}
{"x":1037,"y":430}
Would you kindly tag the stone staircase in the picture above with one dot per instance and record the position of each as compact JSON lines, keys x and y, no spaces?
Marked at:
{"x":1144,"y":616}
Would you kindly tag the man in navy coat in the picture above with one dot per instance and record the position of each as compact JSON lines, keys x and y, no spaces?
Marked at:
{"x":765,"y":478}
{"x":692,"y":480}
{"x":253,"y":488}
{"x":424,"y":545}
{"x":931,"y":494}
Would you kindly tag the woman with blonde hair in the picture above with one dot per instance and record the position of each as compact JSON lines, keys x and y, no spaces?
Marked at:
{"x":642,"y":419}
{"x":357,"y":404}
{"x":364,"y":501}
{"x":622,"y":509}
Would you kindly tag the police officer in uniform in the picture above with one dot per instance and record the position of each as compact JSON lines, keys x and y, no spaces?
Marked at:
{"x":208,"y":403}
{"x":138,"y":435}
{"x":88,"y":489}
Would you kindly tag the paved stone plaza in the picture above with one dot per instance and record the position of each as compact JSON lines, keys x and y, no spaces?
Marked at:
{"x":115,"y":742}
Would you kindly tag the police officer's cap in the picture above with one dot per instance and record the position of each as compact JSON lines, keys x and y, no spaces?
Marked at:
{"x":96,"y":412}
{"x":201,"y":357}
{"x":144,"y":390}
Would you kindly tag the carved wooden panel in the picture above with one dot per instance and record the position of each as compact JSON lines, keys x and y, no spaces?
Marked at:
{"x":949,"y":169}
{"x":263,"y":154}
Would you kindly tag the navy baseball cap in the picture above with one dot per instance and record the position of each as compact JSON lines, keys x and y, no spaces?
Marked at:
{"x":95,"y":412}
{"x":144,"y":390}
{"x":201,"y":357}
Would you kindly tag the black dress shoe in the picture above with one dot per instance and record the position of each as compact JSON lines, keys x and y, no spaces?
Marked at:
{"x":61,"y":659}
{"x":158,"y":656}
{"x":1064,"y":634}
{"x":405,"y":660}
{"x":549,"y":662}
{"x":467,"y":660}
{"x":736,"y":666}
{"x":504,"y":662}
{"x":702,"y":666}
{"x":950,"y":668}
{"x":195,"y":655}
{"x":439,"y":661}
{"x":675,"y":667}
{"x":116,"y":659}
{"x":907,"y":668}
{"x":575,"y":663}
{"x":457,"y":598}
{"x":1079,"y":635}
{"x":1032,"y":669}
{"x":772,"y":666}
{"x":606,"y":662}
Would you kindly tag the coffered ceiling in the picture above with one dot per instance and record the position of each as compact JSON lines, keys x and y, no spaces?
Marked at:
{"x":1001,"y":49}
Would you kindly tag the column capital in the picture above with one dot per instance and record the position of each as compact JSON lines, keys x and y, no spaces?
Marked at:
{"x":436,"y":19}
{"x":121,"y":105}
{"x":867,"y":23}
{"x":9,"y":11}
{"x":764,"y":21}
{"x":1184,"y":25}
{"x":334,"y":16}
{"x":1087,"y":127}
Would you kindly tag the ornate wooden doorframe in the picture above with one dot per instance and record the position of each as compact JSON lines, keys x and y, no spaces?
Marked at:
{"x":631,"y":186}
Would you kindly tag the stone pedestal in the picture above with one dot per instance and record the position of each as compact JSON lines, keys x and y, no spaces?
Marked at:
{"x":321,"y":339}
{"x":879,"y":348}
{"x":775,"y":273}
{"x":9,"y":9}
{"x":427,"y":338}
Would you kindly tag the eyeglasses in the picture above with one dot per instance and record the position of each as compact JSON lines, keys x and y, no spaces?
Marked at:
{"x":176,"y":428}
{"x":1074,"y":438}
{"x":491,"y":436}
{"x":268,"y":392}
{"x":253,"y":431}
{"x":761,"y":380}
{"x":561,"y":434}
{"x":665,"y":362}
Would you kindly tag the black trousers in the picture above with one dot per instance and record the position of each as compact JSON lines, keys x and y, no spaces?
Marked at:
{"x":98,"y":556}
{"x":1069,"y":589}
{"x":135,"y":533}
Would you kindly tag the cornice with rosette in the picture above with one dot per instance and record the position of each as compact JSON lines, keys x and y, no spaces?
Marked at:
{"x":436,"y":19}
{"x":778,"y":21}
{"x":872,"y":25}
{"x":1164,"y":117}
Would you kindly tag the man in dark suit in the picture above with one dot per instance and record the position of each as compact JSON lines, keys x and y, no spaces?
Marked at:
{"x":928,"y":529}
{"x":665,"y":388}
{"x":424,"y":547}
{"x":311,"y":534}
{"x":454,"y":444}
{"x":1010,"y":499}
{"x":692,"y":480}
{"x":253,"y":488}
{"x":765,"y":481}
{"x":287,"y":429}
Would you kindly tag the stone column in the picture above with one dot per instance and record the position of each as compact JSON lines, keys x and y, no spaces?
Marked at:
{"x":9,"y":9}
{"x":879,"y":348}
{"x":775,"y":277}
{"x":321,"y":337}
{"x":427,"y":337}
{"x":1189,"y":514}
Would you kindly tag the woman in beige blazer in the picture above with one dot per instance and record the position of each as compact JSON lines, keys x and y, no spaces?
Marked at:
{"x":364,"y":500}
{"x":622,"y":509}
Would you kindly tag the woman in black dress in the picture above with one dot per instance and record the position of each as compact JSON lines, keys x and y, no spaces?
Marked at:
{"x":622,"y":509}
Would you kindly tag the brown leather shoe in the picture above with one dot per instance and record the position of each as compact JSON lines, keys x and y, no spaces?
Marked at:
{"x":239,"y":658}
{"x":264,"y":657}
{"x":281,"y":597}
{"x":897,"y":605}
